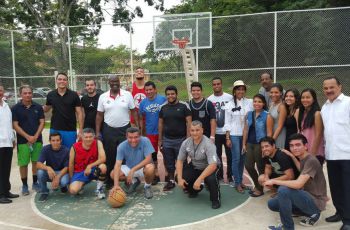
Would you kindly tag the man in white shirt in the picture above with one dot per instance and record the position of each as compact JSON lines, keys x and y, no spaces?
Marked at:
{"x":113,"y":110}
{"x":6,"y":150}
{"x":336,"y":119}
{"x":219,"y":99}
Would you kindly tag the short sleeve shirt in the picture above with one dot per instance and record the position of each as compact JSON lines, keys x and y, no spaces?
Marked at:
{"x":116,"y":110}
{"x":56,"y":159}
{"x":174,"y":119}
{"x":203,"y":111}
{"x":133,"y":156}
{"x":89,"y":105}
{"x":280,"y":162}
{"x":150,"y":109}
{"x":219,"y":103}
{"x":63,"y":109}
{"x":201,"y":155}
{"x":316,"y":185}
{"x":28,"y":119}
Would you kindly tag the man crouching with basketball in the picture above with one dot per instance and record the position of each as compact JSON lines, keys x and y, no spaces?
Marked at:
{"x":86,"y":163}
{"x":137,"y":153}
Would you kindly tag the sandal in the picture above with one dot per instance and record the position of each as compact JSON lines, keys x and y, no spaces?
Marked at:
{"x":239,"y":189}
{"x":256,"y":195}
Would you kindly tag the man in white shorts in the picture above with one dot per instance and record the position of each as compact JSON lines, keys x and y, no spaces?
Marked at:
{"x":137,"y":153}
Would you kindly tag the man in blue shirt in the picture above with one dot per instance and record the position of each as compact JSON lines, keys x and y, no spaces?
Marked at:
{"x":137,"y":153}
{"x":53,"y":166}
{"x":149,"y":110}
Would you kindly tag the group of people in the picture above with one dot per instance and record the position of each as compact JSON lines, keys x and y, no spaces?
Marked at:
{"x":281,"y":137}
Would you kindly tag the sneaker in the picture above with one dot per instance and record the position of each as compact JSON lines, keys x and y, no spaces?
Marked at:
{"x":25,"y":190}
{"x":133,"y":186}
{"x":148,"y":192}
{"x":276,"y":227}
{"x":101,"y":194}
{"x":36,"y":186}
{"x":169,"y":186}
{"x":156,"y":180}
{"x":43,"y":197}
{"x":232,"y":184}
{"x":64,"y":189}
{"x":215,"y":204}
{"x":311,"y":221}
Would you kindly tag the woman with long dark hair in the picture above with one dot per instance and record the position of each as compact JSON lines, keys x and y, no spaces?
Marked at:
{"x":235,"y":112}
{"x":310,"y":123}
{"x":258,"y":125}
{"x":292,"y":102}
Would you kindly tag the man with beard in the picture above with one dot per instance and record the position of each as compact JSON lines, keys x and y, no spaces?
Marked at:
{"x":89,"y":103}
{"x":266,"y":82}
{"x":113,"y":110}
{"x":219,"y":99}
{"x":173,"y":126}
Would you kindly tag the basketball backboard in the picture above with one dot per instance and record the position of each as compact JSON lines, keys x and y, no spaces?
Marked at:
{"x":196,"y":27}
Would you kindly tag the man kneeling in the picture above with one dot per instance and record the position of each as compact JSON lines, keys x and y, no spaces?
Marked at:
{"x":137,"y":153}
{"x":53,"y":166}
{"x":204,"y":165}
{"x":307,"y":195}
{"x":86,"y":164}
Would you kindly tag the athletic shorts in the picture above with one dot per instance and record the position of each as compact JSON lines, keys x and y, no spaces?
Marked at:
{"x":79,"y":176}
{"x":27,"y":153}
{"x":125,"y":169}
{"x":154,"y":141}
{"x":68,"y":137}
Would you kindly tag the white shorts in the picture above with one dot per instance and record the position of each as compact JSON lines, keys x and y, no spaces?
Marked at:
{"x":125,"y":169}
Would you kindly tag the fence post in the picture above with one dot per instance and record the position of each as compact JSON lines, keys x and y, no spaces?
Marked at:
{"x":73,"y":86}
{"x":131,"y":58}
{"x":14,"y":66}
{"x":275,"y":50}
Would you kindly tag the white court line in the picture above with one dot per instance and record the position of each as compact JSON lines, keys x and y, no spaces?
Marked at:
{"x":19,"y":226}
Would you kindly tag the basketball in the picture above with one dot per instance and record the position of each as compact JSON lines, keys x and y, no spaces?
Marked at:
{"x":117,"y":199}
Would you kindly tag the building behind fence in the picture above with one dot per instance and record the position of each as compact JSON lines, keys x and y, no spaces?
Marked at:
{"x":300,"y":48}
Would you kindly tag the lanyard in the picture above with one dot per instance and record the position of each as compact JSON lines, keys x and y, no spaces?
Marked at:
{"x":195,"y":148}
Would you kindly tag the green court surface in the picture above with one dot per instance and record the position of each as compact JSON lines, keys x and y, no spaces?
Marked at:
{"x":165,"y":209}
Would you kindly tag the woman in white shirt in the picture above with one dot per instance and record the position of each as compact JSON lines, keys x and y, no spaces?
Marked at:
{"x":235,"y":112}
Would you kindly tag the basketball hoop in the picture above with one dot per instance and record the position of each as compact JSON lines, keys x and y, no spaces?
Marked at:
{"x":181,"y":42}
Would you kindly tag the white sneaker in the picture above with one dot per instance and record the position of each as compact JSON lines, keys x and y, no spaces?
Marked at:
{"x":101,"y":194}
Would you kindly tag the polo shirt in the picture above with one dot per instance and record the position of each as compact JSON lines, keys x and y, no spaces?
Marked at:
{"x":6,"y":131}
{"x":89,"y":105}
{"x":134,"y":155}
{"x":56,"y":159}
{"x":28,"y":119}
{"x":116,"y":110}
{"x":201,"y":155}
{"x":63,"y":109}
{"x":336,"y":121}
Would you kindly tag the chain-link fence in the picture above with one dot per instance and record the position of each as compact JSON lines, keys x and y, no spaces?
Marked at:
{"x":300,"y":48}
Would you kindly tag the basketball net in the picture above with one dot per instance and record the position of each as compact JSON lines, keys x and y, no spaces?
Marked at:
{"x":181,"y":42}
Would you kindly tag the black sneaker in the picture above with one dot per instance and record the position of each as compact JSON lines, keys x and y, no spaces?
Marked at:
{"x":311,"y":221}
{"x":155,"y":180}
{"x":169,"y":186}
{"x":43,"y":197}
{"x":215,"y":204}
{"x":64,"y":189}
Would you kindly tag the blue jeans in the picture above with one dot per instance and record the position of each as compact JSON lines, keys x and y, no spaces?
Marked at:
{"x":289,"y":201}
{"x":237,"y":159}
{"x":43,"y":178}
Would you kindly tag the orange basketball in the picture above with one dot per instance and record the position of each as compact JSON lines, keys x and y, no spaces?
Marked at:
{"x":117,"y":199}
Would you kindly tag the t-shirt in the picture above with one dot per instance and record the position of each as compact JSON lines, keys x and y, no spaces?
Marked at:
{"x":219,"y":103}
{"x":174,"y":119}
{"x":150,"y":110}
{"x":89,"y":105}
{"x":203,"y":111}
{"x":201,"y":155}
{"x":281,"y":162}
{"x":56,"y":159}
{"x":63,"y":109}
{"x":133,"y":156}
{"x":28,"y":119}
{"x":316,"y":185}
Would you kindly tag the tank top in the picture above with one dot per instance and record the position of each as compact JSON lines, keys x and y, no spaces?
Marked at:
{"x":138,"y":94}
{"x":84,"y":157}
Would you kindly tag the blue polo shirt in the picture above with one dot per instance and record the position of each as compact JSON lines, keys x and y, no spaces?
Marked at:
{"x":56,"y":159}
{"x":28,"y":119}
{"x":133,"y":156}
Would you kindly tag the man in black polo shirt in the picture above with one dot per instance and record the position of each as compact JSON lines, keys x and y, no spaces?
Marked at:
{"x":203,"y":110}
{"x":28,"y":121}
{"x":278,"y":165}
{"x":66,"y":106}
{"x":89,"y":103}
{"x":173,"y":127}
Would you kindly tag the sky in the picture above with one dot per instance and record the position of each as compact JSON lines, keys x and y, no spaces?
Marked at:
{"x":143,"y":32}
